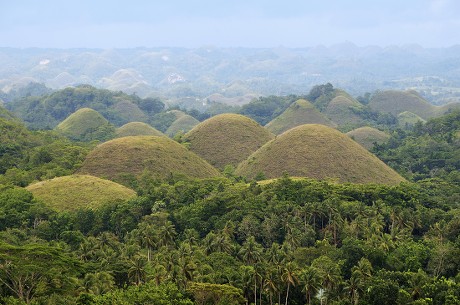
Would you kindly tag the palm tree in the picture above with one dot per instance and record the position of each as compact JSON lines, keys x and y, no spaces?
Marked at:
{"x":137,"y":270}
{"x":251,"y":253}
{"x":289,"y":276}
{"x":311,"y":281}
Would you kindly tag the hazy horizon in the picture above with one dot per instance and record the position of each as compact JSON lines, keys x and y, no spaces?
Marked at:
{"x":252,"y":24}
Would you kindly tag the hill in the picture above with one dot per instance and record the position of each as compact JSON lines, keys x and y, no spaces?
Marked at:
{"x":319,"y":152}
{"x":86,"y":124}
{"x":75,"y":192}
{"x":227,"y":139}
{"x":343,"y":110}
{"x":159,"y":157}
{"x":137,"y":129}
{"x":298,"y":113}
{"x":182,"y":124}
{"x":407,"y":119}
{"x":396,"y":102}
{"x":367,"y":136}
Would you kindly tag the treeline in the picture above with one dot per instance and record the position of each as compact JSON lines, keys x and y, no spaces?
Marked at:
{"x":225,"y":242}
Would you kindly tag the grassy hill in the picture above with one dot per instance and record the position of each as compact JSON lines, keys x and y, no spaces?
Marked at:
{"x":129,"y":111}
{"x":137,"y":129}
{"x":367,"y":136}
{"x":298,"y":113}
{"x":341,"y":110}
{"x":319,"y":152}
{"x":86,"y":124}
{"x":182,"y":124}
{"x":79,"y":191}
{"x":396,"y":102}
{"x":227,"y":139}
{"x":159,"y":157}
{"x":407,"y":119}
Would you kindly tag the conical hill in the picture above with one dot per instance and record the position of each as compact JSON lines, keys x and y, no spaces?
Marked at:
{"x":320,"y":152}
{"x":137,"y":129}
{"x":298,"y":113}
{"x":367,"y":136}
{"x":79,"y":191}
{"x":160,"y":157}
{"x":86,"y":124}
{"x":227,"y":139}
{"x":183,"y":124}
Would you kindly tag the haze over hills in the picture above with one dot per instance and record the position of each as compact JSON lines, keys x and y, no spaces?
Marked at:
{"x":237,"y":72}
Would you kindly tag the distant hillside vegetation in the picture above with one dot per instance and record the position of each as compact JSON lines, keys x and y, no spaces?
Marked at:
{"x":183,"y":124}
{"x":45,"y":112}
{"x":319,"y":152}
{"x":75,"y":192}
{"x":137,"y":129}
{"x":86,"y":125}
{"x":396,"y":102}
{"x":298,"y":113}
{"x":227,"y":139}
{"x":159,"y":157}
{"x":368,"y":136}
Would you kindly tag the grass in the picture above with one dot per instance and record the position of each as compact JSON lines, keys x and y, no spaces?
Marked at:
{"x":407,"y":118}
{"x":320,"y":152}
{"x":129,"y":111}
{"x":396,"y":102}
{"x":298,"y":113}
{"x":137,"y":129}
{"x":73,"y":192}
{"x":159,"y":157}
{"x":183,"y":124}
{"x":367,"y":136}
{"x":82,"y":123}
{"x":227,"y":139}
{"x":340,"y":110}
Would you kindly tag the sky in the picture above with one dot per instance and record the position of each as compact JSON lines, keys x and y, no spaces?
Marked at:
{"x":231,"y":23}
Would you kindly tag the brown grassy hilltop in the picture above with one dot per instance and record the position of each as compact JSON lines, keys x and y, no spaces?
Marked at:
{"x":227,"y":139}
{"x":79,"y":191}
{"x":317,"y":151}
{"x":137,"y":129}
{"x":367,"y":136}
{"x":298,"y":113}
{"x":158,"y":156}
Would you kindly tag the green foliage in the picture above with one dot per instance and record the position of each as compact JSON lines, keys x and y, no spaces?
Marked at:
{"x":45,"y":112}
{"x":427,"y":150}
{"x":265,"y":109}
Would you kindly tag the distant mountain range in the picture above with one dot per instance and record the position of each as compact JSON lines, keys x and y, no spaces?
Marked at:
{"x":178,"y":73}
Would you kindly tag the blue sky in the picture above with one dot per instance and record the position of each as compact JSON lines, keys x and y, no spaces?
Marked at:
{"x":232,"y":23}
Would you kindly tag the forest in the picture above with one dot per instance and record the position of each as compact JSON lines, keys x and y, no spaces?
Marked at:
{"x":228,"y":239}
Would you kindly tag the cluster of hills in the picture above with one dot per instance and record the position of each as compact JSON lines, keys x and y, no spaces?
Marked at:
{"x":232,"y":75}
{"x":301,"y":136}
